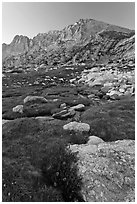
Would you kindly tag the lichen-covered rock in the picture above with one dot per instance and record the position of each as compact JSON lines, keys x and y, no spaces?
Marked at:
{"x":108,"y":171}
{"x":76,"y":126}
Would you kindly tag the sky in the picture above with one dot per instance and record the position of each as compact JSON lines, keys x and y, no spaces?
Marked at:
{"x":31,"y":18}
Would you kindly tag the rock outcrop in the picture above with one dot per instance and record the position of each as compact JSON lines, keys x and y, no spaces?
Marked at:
{"x":108,"y":171}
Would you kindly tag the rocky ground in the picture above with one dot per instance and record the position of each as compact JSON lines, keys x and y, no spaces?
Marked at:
{"x":72,"y":103}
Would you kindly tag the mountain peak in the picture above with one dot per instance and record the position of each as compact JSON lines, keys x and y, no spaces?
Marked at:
{"x":19,"y":39}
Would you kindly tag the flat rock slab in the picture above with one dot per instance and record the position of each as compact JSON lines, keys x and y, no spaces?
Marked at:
{"x":44,"y":118}
{"x":108,"y":171}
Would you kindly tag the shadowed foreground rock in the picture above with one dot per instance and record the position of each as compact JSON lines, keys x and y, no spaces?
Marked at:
{"x":108,"y":171}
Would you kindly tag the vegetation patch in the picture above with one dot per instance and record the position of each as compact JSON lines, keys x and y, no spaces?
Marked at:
{"x":32,"y":158}
{"x":60,"y":171}
{"x":112,"y":121}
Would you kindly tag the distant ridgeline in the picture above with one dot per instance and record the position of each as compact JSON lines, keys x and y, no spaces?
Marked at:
{"x":86,"y":41}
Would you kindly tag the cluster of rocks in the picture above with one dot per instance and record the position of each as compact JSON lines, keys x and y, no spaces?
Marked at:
{"x":69,"y":112}
{"x":63,"y":112}
{"x":111,"y":81}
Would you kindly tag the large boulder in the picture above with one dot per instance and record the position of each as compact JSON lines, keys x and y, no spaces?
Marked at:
{"x":35,"y":99}
{"x":77,"y":127}
{"x":108,"y":171}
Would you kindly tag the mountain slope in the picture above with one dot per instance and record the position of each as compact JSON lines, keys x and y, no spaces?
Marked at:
{"x":87,"y":40}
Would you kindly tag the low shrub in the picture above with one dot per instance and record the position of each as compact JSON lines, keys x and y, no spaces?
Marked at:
{"x":59,"y":170}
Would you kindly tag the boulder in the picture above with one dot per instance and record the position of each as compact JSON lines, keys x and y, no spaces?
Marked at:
{"x":112,"y":92}
{"x":79,"y":107}
{"x":105,"y":89}
{"x":59,"y":114}
{"x":63,"y":106}
{"x":63,"y":114}
{"x":18,"y":108}
{"x":94,"y":140}
{"x":106,"y":97}
{"x":77,"y":127}
{"x":36,"y":82}
{"x":114,"y":97}
{"x":91,"y":96}
{"x":121,"y":90}
{"x":108,"y":84}
{"x":95,"y":83}
{"x":35,"y":99}
{"x":95,"y":69}
{"x":69,"y":114}
{"x":108,"y":171}
{"x":99,"y":94}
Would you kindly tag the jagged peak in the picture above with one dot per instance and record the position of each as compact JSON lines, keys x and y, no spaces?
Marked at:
{"x":18,"y":38}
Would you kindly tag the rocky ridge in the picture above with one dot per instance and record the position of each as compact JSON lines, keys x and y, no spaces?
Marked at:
{"x":87,"y":41}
